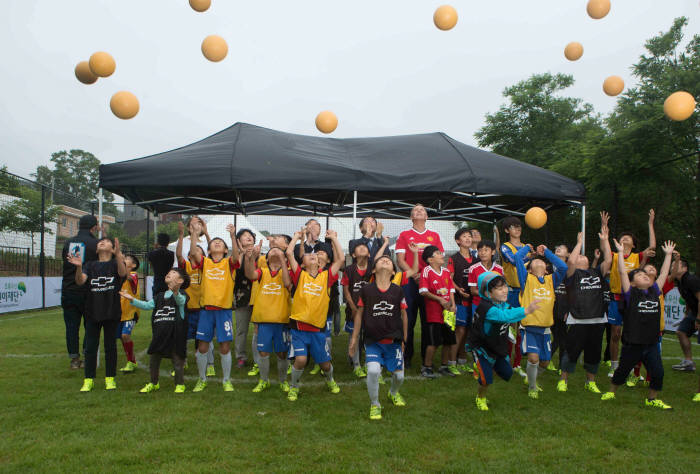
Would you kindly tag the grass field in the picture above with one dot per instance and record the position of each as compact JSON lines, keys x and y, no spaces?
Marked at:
{"x":47,"y":425}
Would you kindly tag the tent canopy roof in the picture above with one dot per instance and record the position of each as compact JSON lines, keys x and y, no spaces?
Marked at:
{"x":254,"y":170}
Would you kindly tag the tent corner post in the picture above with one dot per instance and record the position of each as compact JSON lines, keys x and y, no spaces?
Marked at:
{"x":354,"y":214}
{"x":583,"y":228}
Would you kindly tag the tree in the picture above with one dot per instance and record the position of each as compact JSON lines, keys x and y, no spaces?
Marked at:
{"x":76,"y":176}
{"x":9,"y":184}
{"x":23,"y":215}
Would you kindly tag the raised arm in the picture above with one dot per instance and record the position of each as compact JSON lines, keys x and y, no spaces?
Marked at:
{"x":605,"y":248}
{"x":560,"y":266}
{"x":293,"y":265}
{"x":180,"y":237}
{"x":519,"y":262}
{"x":249,"y":266}
{"x":338,"y":254}
{"x":205,"y":232}
{"x":622,"y":270}
{"x":195,"y":252}
{"x":235,"y":252}
{"x":80,"y":277}
{"x":652,"y":234}
{"x":413,"y":248}
{"x":119,"y":256}
{"x":574,"y":255}
{"x":668,"y":248}
{"x":385,"y":244}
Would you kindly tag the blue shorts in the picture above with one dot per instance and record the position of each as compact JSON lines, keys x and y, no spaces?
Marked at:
{"x":125,"y":327}
{"x":192,"y":317}
{"x":273,"y":337}
{"x":329,"y":326}
{"x":221,"y":319}
{"x":349,"y":327}
{"x":464,"y":316}
{"x":486,"y":367}
{"x":614,"y":315}
{"x":514,"y":297}
{"x":388,"y":355}
{"x":536,"y":343}
{"x":305,"y":343}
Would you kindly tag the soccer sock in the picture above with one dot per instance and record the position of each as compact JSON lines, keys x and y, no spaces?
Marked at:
{"x":296,"y":375}
{"x":210,"y":354}
{"x":201,"y":365}
{"x":532,"y":375}
{"x":282,"y":365}
{"x":329,"y":374}
{"x":451,"y":362}
{"x":373,"y":371}
{"x":396,"y":381}
{"x":254,"y":348}
{"x":614,"y":364}
{"x":461,"y":361}
{"x":264,"y":365}
{"x":129,"y":350}
{"x":226,"y":366}
{"x":356,"y":358}
{"x":329,"y":343}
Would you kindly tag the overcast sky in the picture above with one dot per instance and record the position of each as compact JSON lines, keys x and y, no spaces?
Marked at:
{"x":380,"y":65}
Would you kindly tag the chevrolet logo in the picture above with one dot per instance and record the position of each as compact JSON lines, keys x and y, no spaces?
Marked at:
{"x":101,"y":282}
{"x":648,"y":304}
{"x":541,"y":292}
{"x":165,"y":311}
{"x":215,"y":274}
{"x":313,"y":288}
{"x":383,"y":306}
{"x":358,"y":285}
{"x":590,"y":280}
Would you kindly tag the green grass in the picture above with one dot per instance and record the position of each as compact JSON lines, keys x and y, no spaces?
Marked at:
{"x":47,"y":425}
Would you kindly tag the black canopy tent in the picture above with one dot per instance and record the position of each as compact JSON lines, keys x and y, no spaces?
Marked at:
{"x":246,"y":169}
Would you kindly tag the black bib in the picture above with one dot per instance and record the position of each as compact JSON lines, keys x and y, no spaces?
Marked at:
{"x":356,"y":281}
{"x":381,"y":313}
{"x":495,"y":341}
{"x":641,"y":323}
{"x":103,"y":282}
{"x":168,"y":328}
{"x":561,"y":302}
{"x":461,"y":275}
{"x":586,"y":290}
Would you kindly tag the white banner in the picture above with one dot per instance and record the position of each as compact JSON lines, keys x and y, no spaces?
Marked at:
{"x":674,"y":310}
{"x":23,"y":293}
{"x":52,"y":290}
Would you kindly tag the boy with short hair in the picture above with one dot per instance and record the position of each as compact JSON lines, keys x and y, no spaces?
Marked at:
{"x":641,"y":326}
{"x":535,"y":333}
{"x":168,"y":327}
{"x":459,"y":265}
{"x":631,"y":262}
{"x":488,"y":339}
{"x":437,"y":289}
{"x":355,"y":276}
{"x":102,"y":307}
{"x":218,"y":274}
{"x":381,"y":315}
{"x":310,"y":309}
{"x":130,"y":316}
{"x":242,"y":288}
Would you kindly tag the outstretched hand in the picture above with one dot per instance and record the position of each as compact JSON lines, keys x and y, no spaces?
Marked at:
{"x":126,"y":295}
{"x":618,"y":246}
{"x":668,"y":247}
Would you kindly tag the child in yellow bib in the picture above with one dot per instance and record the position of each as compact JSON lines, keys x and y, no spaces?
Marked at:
{"x":536,"y":285}
{"x":130,"y":315}
{"x":309,"y":311}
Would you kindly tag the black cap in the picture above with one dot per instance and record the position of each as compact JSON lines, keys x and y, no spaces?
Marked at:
{"x":87,"y":222}
{"x":428,"y":252}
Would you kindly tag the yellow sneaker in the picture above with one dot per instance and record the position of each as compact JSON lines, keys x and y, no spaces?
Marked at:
{"x":333,"y":387}
{"x":562,"y":386}
{"x":657,"y":403}
{"x":592,"y":387}
{"x":375,"y":412}
{"x":180,"y":389}
{"x":607,"y":396}
{"x":293,"y":394}
{"x":211,"y":371}
{"x":228,"y":386}
{"x":110,"y":384}
{"x":481,"y":404}
{"x":315,"y":370}
{"x":129,"y":367}
{"x":149,"y":387}
{"x":88,"y":385}
{"x":200,"y":385}
{"x":396,"y":399}
{"x":284,"y":386}
{"x":696,"y":397}
{"x":254,"y":371}
{"x":262,"y":385}
{"x":534,"y":394}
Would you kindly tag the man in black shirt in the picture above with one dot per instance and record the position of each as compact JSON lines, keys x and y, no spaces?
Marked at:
{"x":162,"y":261}
{"x":689,"y":288}
{"x":84,"y":245}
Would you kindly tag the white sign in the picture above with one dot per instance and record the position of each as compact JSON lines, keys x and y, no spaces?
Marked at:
{"x":674,"y":310}
{"x":23,"y":293}
{"x":149,"y":288}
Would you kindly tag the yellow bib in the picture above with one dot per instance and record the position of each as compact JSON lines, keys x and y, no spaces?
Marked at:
{"x":217,"y":284}
{"x":262,"y":263}
{"x":194,"y":291}
{"x":398,"y":276}
{"x":663,"y":312}
{"x":631,"y":262}
{"x":310,"y":303}
{"x":544,"y":292}
{"x":509,"y":271}
{"x":128,"y":311}
{"x":272,"y":301}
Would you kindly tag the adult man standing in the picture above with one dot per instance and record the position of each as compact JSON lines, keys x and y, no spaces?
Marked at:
{"x":422,"y":237}
{"x":371,"y":237}
{"x":162,"y":261}
{"x":84,"y":245}
{"x":312,"y":244}
{"x":689,"y":288}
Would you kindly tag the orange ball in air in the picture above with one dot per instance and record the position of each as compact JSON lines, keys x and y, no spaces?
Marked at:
{"x":445,"y":17}
{"x":679,"y":106}
{"x":573,"y":51}
{"x":200,"y":5}
{"x":84,"y":74}
{"x":214,"y":48}
{"x":535,"y":218}
{"x":102,"y":64}
{"x":124,"y":105}
{"x":326,"y":122}
{"x":613,"y":85}
{"x":598,"y":9}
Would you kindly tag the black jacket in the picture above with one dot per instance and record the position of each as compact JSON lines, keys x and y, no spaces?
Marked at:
{"x":88,"y":248}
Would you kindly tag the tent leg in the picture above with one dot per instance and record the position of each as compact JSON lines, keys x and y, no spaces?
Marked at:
{"x":354,"y":214}
{"x":100,"y":200}
{"x":583,"y":229}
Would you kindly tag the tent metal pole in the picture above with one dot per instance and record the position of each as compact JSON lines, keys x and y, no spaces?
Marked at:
{"x":354,"y":214}
{"x":583,"y":229}
{"x":100,"y":199}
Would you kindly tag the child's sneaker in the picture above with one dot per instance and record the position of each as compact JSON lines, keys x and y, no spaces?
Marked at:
{"x":129,"y":367}
{"x":534,"y":394}
{"x":397,"y":399}
{"x":211,"y":371}
{"x":289,"y":369}
{"x":180,"y":388}
{"x":254,"y":371}
{"x":427,"y":372}
{"x":149,"y":387}
{"x":293,"y":394}
{"x":696,"y":397}
{"x":375,"y":412}
{"x":562,"y":386}
{"x":284,"y":386}
{"x":359,"y":372}
{"x":445,"y":372}
{"x":631,"y":381}
{"x":607,"y":396}
{"x":481,"y":404}
{"x":453,"y":369}
{"x":592,"y":387}
{"x":88,"y":385}
{"x":315,"y":370}
{"x":110,"y":384}
{"x":75,"y":363}
{"x":200,"y":385}
{"x":228,"y":386}
{"x":333,"y":386}
{"x":551,"y":368}
{"x":521,"y":372}
{"x":262,"y":385}
{"x":656,"y":403}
